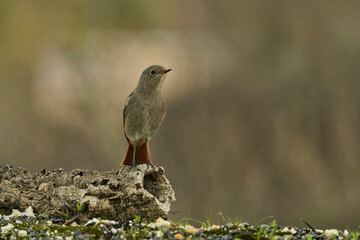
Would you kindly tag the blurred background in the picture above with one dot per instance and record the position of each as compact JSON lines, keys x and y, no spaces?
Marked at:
{"x":263,"y":100}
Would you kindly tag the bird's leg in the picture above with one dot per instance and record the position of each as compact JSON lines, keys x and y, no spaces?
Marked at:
{"x":133,"y":161}
{"x":148,"y":155}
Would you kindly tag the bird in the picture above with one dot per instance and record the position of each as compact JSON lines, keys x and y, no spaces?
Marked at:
{"x":144,"y":111}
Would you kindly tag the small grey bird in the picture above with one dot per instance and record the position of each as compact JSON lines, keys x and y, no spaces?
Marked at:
{"x":144,"y":112}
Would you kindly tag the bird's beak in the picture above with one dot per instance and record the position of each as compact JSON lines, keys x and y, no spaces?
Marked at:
{"x":165,"y":71}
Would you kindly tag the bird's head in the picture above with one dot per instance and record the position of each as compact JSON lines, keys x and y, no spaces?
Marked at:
{"x":153,"y":77}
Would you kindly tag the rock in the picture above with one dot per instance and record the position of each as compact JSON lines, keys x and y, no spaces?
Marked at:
{"x":92,"y":222}
{"x":245,"y":234}
{"x":178,"y":236}
{"x":22,"y":233}
{"x":7,"y":228}
{"x":32,"y":235}
{"x":200,"y":232}
{"x":104,"y":229}
{"x":77,"y":232}
{"x":229,"y":225}
{"x":226,"y":237}
{"x":118,"y":194}
{"x":80,"y":237}
{"x":42,"y":233}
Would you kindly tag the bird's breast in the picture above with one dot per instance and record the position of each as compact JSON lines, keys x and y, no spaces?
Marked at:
{"x":144,"y":116}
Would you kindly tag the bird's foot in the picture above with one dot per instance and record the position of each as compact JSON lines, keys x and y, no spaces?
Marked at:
{"x":133,"y":165}
{"x":150,"y":164}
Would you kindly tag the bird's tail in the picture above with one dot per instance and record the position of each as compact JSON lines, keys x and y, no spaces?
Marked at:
{"x":140,"y":155}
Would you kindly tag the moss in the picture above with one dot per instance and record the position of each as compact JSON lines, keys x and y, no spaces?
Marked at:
{"x":141,"y":230}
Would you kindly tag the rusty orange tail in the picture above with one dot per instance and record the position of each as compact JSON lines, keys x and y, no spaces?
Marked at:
{"x":140,"y":155}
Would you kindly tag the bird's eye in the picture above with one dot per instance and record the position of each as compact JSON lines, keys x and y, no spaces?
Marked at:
{"x":152,"y":72}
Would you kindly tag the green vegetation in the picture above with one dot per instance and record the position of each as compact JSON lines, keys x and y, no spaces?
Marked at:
{"x":78,"y":206}
{"x":141,"y":228}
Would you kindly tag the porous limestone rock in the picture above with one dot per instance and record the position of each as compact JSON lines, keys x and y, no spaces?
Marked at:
{"x":118,"y":194}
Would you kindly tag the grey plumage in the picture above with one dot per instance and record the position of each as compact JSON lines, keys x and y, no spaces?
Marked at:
{"x":145,"y":108}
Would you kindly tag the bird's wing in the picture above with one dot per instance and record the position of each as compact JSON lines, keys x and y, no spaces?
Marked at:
{"x":124,"y":112}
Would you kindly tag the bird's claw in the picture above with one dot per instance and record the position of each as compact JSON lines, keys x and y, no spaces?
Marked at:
{"x":150,"y":164}
{"x":133,"y":165}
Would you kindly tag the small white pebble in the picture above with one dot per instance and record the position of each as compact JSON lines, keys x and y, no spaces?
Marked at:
{"x":160,"y":223}
{"x":55,"y":231}
{"x":215,"y":227}
{"x":114,"y":231}
{"x":331,"y":232}
{"x":285,"y":229}
{"x":69,"y":238}
{"x":112,"y":222}
{"x":179,"y":236}
{"x":7,"y":227}
{"x":29,"y":212}
{"x":159,"y":234}
{"x":15,"y":213}
{"x":319,"y":230}
{"x":18,"y":221}
{"x":49,"y":222}
{"x":93,"y":221}
{"x":191,"y":229}
{"x":288,"y":237}
{"x":293,"y":231}
{"x":74,"y":224}
{"x":346,"y":233}
{"x":22,"y":233}
{"x":163,"y":223}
